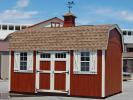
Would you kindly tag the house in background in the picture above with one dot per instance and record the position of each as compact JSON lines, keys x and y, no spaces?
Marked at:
{"x":128,"y":50}
{"x":75,"y":60}
{"x":6,"y":29}
{"x":53,"y":22}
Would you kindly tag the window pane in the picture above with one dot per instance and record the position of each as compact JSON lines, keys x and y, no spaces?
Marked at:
{"x":4,"y":27}
{"x":21,"y":54}
{"x":11,"y":27}
{"x":87,"y":64}
{"x":21,"y":58}
{"x":83,"y":59}
{"x":23,"y":61}
{"x":124,"y":32}
{"x":25,"y":58}
{"x":60,"y":55}
{"x":25,"y":54}
{"x":87,"y":53}
{"x":45,"y":55}
{"x":83,"y":54}
{"x":87,"y":58}
{"x":87,"y":69}
{"x":129,"y":32}
{"x":25,"y":68}
{"x":17,"y":27}
{"x":83,"y":64}
{"x":23,"y":27}
{"x":82,"y":68}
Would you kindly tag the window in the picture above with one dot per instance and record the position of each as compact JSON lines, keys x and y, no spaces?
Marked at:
{"x":23,"y":61}
{"x":85,"y":61}
{"x":45,"y":55}
{"x":23,"y":27}
{"x":129,"y":49}
{"x":17,"y":27}
{"x":11,"y":27}
{"x":124,"y":32}
{"x":129,"y":32}
{"x":55,"y":24}
{"x":60,"y":55}
{"x":4,"y":27}
{"x":132,"y":33}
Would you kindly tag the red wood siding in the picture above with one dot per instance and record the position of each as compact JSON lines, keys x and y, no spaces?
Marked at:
{"x":113,"y":81}
{"x":86,"y":84}
{"x":22,"y":82}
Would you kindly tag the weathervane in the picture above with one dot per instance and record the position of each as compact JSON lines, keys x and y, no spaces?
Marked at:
{"x":69,"y":5}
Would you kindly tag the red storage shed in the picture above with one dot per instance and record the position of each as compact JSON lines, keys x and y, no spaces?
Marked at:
{"x":76,"y":60}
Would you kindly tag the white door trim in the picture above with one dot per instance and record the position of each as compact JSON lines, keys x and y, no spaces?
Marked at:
{"x":52,"y":69}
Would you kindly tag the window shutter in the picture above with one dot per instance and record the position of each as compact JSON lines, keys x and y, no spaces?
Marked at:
{"x":16,"y":61}
{"x":76,"y":61}
{"x":30,"y":61}
{"x":93,"y":65}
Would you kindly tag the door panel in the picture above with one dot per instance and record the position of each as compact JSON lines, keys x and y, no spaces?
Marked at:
{"x":44,"y":65}
{"x":44,"y":77}
{"x":60,"y":82}
{"x":60,"y":65}
{"x":60,"y":78}
{"x":45,"y":81}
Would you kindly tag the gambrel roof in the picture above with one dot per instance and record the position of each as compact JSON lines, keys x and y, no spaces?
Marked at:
{"x":91,"y":37}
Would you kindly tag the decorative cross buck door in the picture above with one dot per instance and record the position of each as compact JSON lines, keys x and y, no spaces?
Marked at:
{"x":53,"y":72}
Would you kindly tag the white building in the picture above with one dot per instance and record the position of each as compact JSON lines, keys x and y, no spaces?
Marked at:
{"x":5,"y":30}
{"x":128,"y":50}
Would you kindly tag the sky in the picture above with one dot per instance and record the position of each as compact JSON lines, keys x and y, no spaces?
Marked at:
{"x":88,"y":12}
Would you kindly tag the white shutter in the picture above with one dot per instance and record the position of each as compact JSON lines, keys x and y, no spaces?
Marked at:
{"x":30,"y":61}
{"x":76,"y":61}
{"x":16,"y":61}
{"x":93,"y":61}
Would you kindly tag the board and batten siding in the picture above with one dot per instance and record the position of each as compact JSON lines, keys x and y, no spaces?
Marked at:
{"x":22,"y":82}
{"x":113,"y":65}
{"x":86,"y":84}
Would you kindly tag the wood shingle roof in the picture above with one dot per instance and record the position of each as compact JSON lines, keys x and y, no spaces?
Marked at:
{"x":91,"y":37}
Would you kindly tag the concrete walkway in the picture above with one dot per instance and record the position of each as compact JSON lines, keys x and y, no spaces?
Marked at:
{"x":126,"y":95}
{"x":4,"y":94}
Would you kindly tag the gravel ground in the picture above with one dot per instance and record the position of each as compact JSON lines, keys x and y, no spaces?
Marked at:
{"x":127,"y":94}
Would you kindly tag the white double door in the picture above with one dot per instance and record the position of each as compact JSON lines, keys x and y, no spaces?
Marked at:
{"x":53,"y":72}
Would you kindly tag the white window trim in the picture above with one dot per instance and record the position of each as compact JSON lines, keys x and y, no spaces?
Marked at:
{"x":29,"y":70}
{"x":77,"y":65}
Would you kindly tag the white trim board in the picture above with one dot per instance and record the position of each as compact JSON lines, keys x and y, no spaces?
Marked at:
{"x":9,"y":83}
{"x":103,"y":73}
